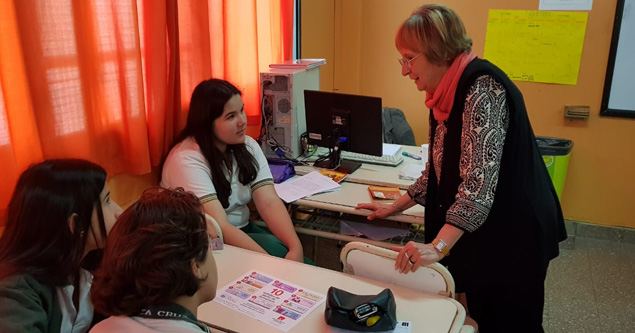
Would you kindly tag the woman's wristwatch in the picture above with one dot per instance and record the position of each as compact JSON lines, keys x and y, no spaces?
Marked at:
{"x":441,"y":246}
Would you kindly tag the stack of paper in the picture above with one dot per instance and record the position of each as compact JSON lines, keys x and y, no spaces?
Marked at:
{"x":299,"y":64}
{"x":411,"y":171}
{"x":307,"y":185}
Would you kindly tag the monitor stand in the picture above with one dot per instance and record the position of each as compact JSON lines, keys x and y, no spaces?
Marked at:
{"x":335,"y":162}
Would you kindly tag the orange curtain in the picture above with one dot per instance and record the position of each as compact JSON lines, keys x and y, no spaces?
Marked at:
{"x":110,"y":81}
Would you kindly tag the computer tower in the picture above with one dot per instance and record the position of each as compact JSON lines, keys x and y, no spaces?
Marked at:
{"x":283,"y":114}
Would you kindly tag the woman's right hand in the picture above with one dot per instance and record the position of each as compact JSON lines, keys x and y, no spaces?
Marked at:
{"x":379,"y":210}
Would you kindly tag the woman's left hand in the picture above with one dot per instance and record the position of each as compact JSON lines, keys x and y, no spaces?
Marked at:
{"x":413,"y":255}
{"x":379,"y":210}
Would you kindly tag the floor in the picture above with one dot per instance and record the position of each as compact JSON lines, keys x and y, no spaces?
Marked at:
{"x":590,"y":287}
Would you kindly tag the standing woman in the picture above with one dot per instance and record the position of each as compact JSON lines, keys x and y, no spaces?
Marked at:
{"x":492,"y":214}
{"x":59,"y":212}
{"x":215,"y":159}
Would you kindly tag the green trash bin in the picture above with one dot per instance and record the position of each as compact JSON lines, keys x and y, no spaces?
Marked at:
{"x":555,"y":152}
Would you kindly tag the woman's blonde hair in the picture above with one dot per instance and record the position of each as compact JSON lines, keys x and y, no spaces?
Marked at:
{"x":436,"y":31}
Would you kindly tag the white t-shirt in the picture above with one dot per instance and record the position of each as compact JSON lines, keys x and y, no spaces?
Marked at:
{"x":186,"y":167}
{"x":76,"y":320}
{"x":143,"y":325}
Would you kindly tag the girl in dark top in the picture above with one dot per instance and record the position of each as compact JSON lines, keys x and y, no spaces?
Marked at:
{"x":489,"y":200}
{"x":59,"y":212}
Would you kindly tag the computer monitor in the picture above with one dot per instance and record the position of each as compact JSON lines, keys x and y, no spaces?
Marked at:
{"x":331,"y":116}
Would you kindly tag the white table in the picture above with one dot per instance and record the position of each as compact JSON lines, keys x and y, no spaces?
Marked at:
{"x":428,"y":313}
{"x":349,"y":195}
{"x":354,"y":190}
{"x":372,"y":174}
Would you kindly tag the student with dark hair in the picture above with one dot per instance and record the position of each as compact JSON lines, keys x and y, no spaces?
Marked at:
{"x":59,"y":212}
{"x":226,"y":169}
{"x":157,"y":266}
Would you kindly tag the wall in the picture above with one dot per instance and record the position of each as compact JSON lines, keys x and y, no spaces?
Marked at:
{"x":125,"y":189}
{"x":317,"y":38}
{"x":360,"y":50}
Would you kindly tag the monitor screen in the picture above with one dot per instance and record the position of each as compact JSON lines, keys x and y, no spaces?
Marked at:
{"x":332,"y":115}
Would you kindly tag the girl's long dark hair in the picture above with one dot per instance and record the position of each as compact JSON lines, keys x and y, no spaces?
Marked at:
{"x":37,"y":239}
{"x":207,"y":103}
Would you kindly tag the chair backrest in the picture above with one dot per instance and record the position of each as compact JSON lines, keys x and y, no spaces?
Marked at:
{"x":213,"y":222}
{"x":378,"y":263}
{"x":396,"y":127}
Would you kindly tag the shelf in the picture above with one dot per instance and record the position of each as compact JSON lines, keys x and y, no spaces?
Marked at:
{"x":326,"y":224}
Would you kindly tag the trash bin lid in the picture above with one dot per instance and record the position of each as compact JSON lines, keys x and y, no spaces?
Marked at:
{"x":554,"y":146}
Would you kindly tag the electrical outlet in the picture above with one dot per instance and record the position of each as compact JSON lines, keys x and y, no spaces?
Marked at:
{"x":577,"y":111}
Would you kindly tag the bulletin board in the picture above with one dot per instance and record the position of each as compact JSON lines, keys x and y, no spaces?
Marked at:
{"x":618,"y":99}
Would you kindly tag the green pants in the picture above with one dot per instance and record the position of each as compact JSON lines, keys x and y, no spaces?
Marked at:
{"x":268,"y":241}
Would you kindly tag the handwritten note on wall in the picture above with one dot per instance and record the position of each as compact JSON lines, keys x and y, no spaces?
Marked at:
{"x":536,"y":46}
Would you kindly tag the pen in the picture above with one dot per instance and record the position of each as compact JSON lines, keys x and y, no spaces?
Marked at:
{"x":405,"y":153}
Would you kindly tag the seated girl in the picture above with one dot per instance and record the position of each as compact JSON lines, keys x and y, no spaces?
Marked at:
{"x":59,"y":212}
{"x":226,"y":169}
{"x":157,"y":266}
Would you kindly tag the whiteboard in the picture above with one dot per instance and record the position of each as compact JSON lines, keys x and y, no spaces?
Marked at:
{"x":619,"y":92}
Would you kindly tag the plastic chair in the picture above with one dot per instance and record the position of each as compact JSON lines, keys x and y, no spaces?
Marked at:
{"x":213,"y":222}
{"x":378,"y":263}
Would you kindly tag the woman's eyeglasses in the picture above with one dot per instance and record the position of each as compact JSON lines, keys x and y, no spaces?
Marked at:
{"x":407,"y":62}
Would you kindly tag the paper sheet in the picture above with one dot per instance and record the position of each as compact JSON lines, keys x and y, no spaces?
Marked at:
{"x":565,"y":5}
{"x":389,"y":149}
{"x":536,"y":46}
{"x":411,"y":171}
{"x":269,"y":299}
{"x":307,"y":185}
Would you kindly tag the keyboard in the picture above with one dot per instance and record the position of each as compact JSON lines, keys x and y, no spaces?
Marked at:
{"x":388,"y":160}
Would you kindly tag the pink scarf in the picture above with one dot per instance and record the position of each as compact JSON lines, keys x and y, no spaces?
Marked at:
{"x":443,"y":97}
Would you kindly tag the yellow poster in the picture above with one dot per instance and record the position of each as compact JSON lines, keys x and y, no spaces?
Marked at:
{"x":536,"y":46}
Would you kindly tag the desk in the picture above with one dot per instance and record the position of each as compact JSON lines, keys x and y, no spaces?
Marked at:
{"x":372,"y":174}
{"x":325,"y":210}
{"x":349,"y":195}
{"x":428,"y":313}
{"x":354,"y":190}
